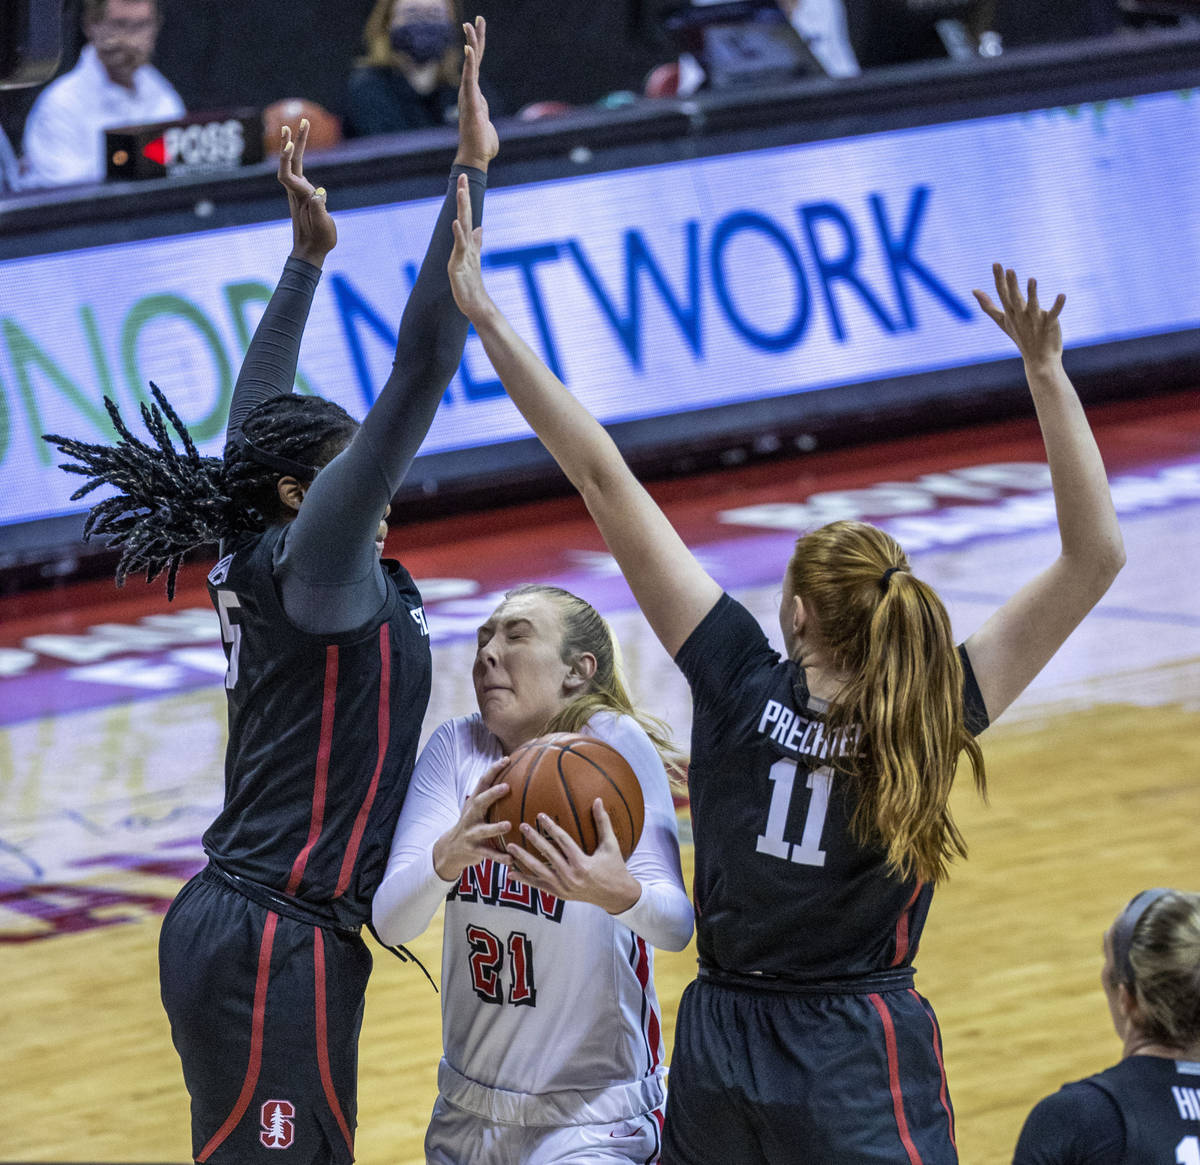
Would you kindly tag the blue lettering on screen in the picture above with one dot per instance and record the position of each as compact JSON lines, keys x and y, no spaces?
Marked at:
{"x":829,"y":242}
{"x":660,"y":289}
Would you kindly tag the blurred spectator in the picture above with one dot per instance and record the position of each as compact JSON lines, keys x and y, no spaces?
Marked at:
{"x":113,"y":84}
{"x":409,"y":76}
{"x":822,"y":25}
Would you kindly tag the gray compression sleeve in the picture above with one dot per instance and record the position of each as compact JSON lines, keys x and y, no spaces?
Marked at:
{"x":328,"y":571}
{"x":269,"y":368}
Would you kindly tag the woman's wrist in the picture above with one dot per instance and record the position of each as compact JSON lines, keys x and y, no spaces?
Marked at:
{"x":308,"y":255}
{"x":441,"y":862}
{"x":624,"y":897}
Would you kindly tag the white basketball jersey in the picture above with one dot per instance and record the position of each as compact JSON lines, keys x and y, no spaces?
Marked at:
{"x":542,"y":995}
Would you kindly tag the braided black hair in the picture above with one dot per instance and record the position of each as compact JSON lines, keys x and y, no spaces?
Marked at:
{"x":170,"y":501}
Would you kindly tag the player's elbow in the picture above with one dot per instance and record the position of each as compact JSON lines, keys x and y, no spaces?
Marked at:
{"x":389,"y":923}
{"x":680,"y":933}
{"x":1096,"y":566}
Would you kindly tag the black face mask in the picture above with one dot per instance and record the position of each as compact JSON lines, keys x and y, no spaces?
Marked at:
{"x":423,"y":40}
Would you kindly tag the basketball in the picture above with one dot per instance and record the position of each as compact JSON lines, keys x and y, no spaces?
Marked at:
{"x":324,"y":129}
{"x":561,"y":775}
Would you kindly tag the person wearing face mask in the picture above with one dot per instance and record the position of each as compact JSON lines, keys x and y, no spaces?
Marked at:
{"x":408,"y":78}
{"x":113,"y":84}
{"x":552,"y":1044}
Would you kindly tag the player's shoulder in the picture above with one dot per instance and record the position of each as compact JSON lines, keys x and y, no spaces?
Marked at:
{"x":467,"y":732}
{"x":618,"y":729}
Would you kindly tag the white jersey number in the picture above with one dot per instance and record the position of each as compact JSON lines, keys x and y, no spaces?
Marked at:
{"x":487,"y":967}
{"x":231,"y":632}
{"x":807,"y":851}
{"x":1187,"y":1152}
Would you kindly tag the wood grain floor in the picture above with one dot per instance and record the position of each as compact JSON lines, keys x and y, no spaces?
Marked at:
{"x":1088,"y":807}
{"x":1095,"y":795}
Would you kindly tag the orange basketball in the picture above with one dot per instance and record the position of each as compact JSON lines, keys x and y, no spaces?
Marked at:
{"x":324,"y":129}
{"x":561,"y":775}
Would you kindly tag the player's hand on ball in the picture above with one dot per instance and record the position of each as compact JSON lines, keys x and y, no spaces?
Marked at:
{"x":469,"y":842}
{"x":314,"y":234}
{"x":552,"y":861}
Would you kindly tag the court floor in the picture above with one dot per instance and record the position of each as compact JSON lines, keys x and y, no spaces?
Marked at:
{"x":111,"y":736}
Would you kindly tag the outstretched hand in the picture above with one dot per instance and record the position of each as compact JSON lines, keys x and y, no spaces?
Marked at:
{"x":1035,"y":331}
{"x":314,"y":234}
{"x":557,"y":864}
{"x":478,"y":142}
{"x":466,"y":274}
{"x":469,"y":841}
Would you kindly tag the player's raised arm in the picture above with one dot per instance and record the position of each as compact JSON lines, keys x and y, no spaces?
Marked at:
{"x":1019,"y":639}
{"x":269,"y":367}
{"x":333,"y":537}
{"x":671,"y":588}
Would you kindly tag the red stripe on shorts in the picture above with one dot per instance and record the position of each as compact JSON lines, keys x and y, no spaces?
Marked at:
{"x":889,"y":1039}
{"x":256,"y":1039}
{"x":943,"y":1094}
{"x":321,"y":776}
{"x":383,"y":733}
{"x":323,"y":1039}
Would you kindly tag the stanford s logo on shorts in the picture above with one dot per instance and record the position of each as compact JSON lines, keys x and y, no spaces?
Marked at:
{"x":278,"y":1130}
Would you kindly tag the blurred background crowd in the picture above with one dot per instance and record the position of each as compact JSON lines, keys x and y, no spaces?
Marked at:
{"x":370,"y":67}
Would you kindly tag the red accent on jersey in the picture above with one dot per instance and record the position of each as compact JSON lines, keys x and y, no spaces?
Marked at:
{"x":653,"y":1032}
{"x":478,"y":881}
{"x":902,"y":929}
{"x":889,"y":1039}
{"x":320,"y":779}
{"x":256,"y":1039}
{"x":515,"y":892}
{"x":322,"y":1038}
{"x":383,"y":722}
{"x":943,"y":1095}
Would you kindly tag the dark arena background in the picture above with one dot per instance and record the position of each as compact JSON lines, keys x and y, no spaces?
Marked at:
{"x":765,"y":290}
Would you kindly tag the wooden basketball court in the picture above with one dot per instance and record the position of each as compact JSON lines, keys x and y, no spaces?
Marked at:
{"x":111,"y":734}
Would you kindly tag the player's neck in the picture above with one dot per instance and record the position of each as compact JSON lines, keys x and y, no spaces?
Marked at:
{"x":824,"y":682}
{"x":1137,"y":1044}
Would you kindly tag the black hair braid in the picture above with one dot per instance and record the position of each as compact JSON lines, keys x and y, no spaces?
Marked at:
{"x":167,"y":501}
{"x":308,"y":430}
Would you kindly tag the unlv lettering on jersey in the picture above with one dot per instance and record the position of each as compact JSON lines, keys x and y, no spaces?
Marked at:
{"x":490,"y":883}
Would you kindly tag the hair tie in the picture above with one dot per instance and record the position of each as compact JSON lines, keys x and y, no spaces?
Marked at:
{"x":1122,"y":932}
{"x":887,"y":574}
{"x":274,"y":460}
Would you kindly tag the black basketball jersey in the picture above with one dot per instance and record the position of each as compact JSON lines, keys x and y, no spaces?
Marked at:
{"x":781,"y":886}
{"x":1142,"y":1111}
{"x":323,"y":731}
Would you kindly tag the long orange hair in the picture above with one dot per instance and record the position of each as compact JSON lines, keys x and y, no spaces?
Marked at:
{"x":892,"y":637}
